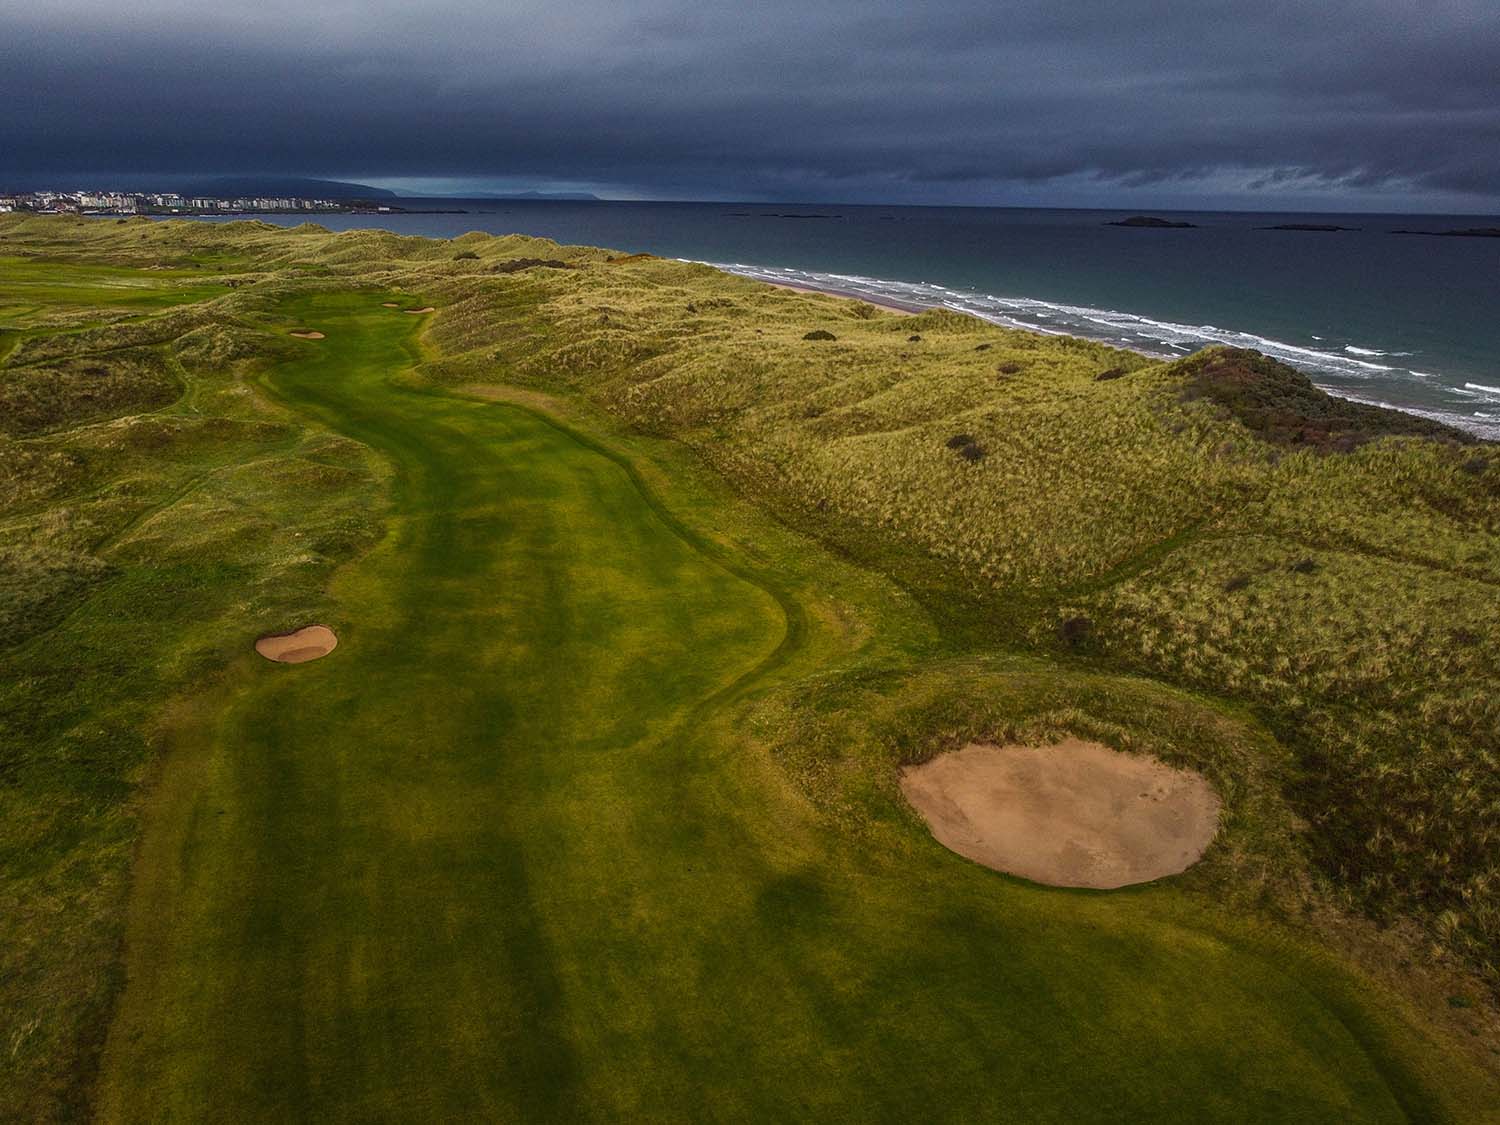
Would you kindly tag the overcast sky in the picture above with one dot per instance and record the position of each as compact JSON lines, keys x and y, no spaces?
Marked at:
{"x":1319,"y":103}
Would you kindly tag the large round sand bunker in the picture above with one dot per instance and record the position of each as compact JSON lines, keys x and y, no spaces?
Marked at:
{"x":1076,"y":814}
{"x":299,"y":646}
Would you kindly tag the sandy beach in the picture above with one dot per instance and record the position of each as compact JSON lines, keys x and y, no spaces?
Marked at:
{"x":889,"y":306}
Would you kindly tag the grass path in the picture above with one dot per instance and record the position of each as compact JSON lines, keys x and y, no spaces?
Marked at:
{"x":503,"y":855}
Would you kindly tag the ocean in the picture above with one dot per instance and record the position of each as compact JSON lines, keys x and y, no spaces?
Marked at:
{"x":1403,"y":320}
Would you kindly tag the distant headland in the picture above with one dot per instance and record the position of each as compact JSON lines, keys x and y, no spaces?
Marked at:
{"x":1151,"y":222}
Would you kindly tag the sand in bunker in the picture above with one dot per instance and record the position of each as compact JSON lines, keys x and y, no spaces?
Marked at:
{"x":308,"y":334}
{"x":1076,"y":814}
{"x":299,"y":646}
{"x":419,"y":312}
{"x":389,"y":305}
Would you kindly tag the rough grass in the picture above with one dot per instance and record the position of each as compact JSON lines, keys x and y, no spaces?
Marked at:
{"x":593,"y":813}
{"x":37,"y":397}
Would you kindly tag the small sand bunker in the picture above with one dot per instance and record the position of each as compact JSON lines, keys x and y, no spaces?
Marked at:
{"x":307,"y":334}
{"x":419,"y":312}
{"x":389,"y":305}
{"x":1077,"y":814}
{"x":299,"y":646}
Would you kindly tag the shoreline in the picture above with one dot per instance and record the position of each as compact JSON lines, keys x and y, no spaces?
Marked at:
{"x":888,"y":305}
{"x":1352,"y":371}
{"x":914,"y":309}
{"x":1483,"y":425}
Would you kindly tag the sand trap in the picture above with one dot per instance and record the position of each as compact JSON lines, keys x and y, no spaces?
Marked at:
{"x":307,"y":643}
{"x":389,"y":305}
{"x":419,"y":312}
{"x":308,"y":335}
{"x":1077,"y":814}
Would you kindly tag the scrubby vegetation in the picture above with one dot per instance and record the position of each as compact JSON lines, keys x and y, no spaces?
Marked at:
{"x":1208,"y":559}
{"x":1281,"y":405}
{"x":38,"y":396}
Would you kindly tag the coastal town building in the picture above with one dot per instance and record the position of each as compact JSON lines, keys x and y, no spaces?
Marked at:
{"x":172,"y":203}
{"x":96,"y":202}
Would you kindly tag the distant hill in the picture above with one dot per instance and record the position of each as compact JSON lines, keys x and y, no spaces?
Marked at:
{"x":221,"y":186}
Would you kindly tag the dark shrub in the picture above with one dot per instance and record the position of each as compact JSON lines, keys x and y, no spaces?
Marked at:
{"x":1475,"y":465}
{"x":958,"y":441}
{"x":466,"y":256}
{"x":983,"y":347}
{"x":1238,"y":582}
{"x":914,"y":339}
{"x":1305,"y":566}
{"x":972,"y":452}
{"x":692,"y":308}
{"x":819,"y":334}
{"x":1076,"y":632}
{"x":512,"y":265}
{"x":1009,"y":369}
{"x":1280,"y":405}
{"x":1112,"y":373}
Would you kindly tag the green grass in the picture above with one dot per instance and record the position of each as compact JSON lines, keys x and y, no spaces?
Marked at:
{"x":501,"y":855}
{"x":44,"y":292}
{"x":593,"y":813}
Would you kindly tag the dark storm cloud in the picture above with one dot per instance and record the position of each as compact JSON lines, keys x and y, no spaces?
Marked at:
{"x":867,"y":99}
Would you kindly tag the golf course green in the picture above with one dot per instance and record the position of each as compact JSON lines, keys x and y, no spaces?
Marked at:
{"x":500,"y":856}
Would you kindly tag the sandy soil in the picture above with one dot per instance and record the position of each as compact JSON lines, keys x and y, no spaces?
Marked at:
{"x":298,"y":647}
{"x":1077,"y":814}
{"x":904,"y":310}
{"x":308,"y":335}
{"x":419,"y":312}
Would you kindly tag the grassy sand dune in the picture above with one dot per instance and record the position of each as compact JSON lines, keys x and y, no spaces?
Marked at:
{"x":642,"y":602}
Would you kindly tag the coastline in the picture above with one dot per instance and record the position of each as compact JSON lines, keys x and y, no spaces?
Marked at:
{"x":1371,"y":368}
{"x":1353,"y":373}
{"x":1360,"y":316}
{"x":910,"y":309}
{"x":914,"y":309}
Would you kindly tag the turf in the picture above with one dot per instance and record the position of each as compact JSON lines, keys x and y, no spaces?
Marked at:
{"x":40,"y":291}
{"x":500,"y":856}
{"x":642,"y":602}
